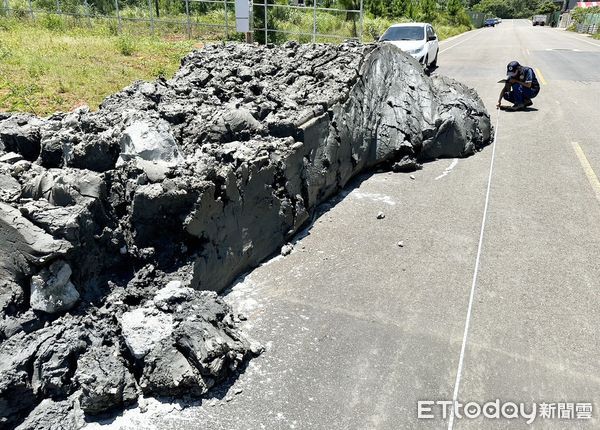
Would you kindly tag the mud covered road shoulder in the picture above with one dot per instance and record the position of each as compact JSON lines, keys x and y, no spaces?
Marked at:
{"x":117,"y":221}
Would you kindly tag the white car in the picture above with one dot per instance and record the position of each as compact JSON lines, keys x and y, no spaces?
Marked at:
{"x":417,"y":39}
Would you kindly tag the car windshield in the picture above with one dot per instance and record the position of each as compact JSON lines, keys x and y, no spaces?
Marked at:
{"x":404,"y":33}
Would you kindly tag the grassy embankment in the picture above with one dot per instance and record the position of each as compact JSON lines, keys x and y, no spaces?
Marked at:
{"x":49,"y":65}
{"x":46,"y":68}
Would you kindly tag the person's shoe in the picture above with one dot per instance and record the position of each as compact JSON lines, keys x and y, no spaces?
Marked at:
{"x":528,"y":102}
{"x":516,"y":107}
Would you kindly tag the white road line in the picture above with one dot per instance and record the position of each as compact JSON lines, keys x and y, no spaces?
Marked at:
{"x":474,"y":283}
{"x":587,"y":41}
{"x":588,"y":169}
{"x":448,"y":169}
{"x":462,"y":41}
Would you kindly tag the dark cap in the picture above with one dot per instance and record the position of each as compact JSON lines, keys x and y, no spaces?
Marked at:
{"x":513,"y":68}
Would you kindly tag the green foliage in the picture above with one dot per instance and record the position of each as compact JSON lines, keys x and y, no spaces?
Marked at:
{"x":42,"y":70}
{"x":446,"y":31}
{"x":499,"y":8}
{"x":113,"y":27}
{"x":457,"y":13}
{"x":53,"y":22}
{"x":454,"y":7}
{"x":126,"y":45}
{"x":548,"y":7}
{"x":579,"y":13}
{"x":259,"y":24}
{"x":5,"y":51}
{"x":428,"y":9}
{"x":515,"y":8}
{"x":20,"y":9}
{"x":374,"y":27}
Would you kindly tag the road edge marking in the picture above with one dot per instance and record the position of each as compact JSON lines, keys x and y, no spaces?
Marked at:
{"x":463,"y":348}
{"x":462,"y":41}
{"x":581,"y":39}
{"x":588,"y":169}
{"x":540,"y":76}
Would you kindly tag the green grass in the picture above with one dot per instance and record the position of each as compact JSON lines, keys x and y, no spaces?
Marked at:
{"x":300,"y":21}
{"x":57,"y":63}
{"x":595,"y":36}
{"x":48,"y":66}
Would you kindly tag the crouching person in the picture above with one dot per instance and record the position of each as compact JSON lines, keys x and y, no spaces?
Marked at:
{"x":521,"y":86}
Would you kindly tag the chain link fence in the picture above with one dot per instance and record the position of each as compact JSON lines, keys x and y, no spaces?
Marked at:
{"x":316,"y":21}
{"x":274,"y":20}
{"x":477,"y":18}
{"x":590,"y":24}
{"x":191,"y":18}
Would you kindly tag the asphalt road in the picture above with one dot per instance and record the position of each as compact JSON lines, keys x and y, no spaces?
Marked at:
{"x":359,"y":329}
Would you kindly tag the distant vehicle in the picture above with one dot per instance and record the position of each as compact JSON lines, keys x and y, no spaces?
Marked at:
{"x":490,"y":22}
{"x":498,"y":20}
{"x":539,"y":20}
{"x":417,"y":39}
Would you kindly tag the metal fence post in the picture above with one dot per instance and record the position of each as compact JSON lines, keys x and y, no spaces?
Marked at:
{"x":31,"y":10}
{"x":189,"y":23}
{"x":151,"y":17}
{"x":314,"y":35}
{"x":119,"y":28}
{"x":86,"y":7}
{"x":58,"y":10}
{"x":266,"y":24}
{"x":226,"y":20}
{"x":5,"y":6}
{"x":362,"y":22}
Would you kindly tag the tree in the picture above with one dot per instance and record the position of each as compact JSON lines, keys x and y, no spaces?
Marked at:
{"x":579,"y":13}
{"x":428,"y":9}
{"x":499,"y":8}
{"x":547,"y":8}
{"x":523,"y":8}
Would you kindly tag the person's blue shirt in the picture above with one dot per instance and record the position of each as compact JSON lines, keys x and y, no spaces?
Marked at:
{"x":528,"y":75}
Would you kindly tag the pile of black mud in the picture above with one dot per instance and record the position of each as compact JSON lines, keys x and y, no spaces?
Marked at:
{"x":118,"y":226}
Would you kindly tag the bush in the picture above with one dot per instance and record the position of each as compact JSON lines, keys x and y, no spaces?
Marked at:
{"x":54,"y":23}
{"x":374,"y":27}
{"x":5,"y":52}
{"x":6,"y":24}
{"x":461,"y":19}
{"x":579,"y":13}
{"x":126,"y":45}
{"x":113,"y":27}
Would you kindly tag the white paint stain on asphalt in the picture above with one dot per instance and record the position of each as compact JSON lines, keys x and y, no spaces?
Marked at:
{"x":375,"y":197}
{"x":448,"y":169}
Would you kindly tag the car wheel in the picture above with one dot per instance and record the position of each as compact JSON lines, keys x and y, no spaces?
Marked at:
{"x":433,"y":64}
